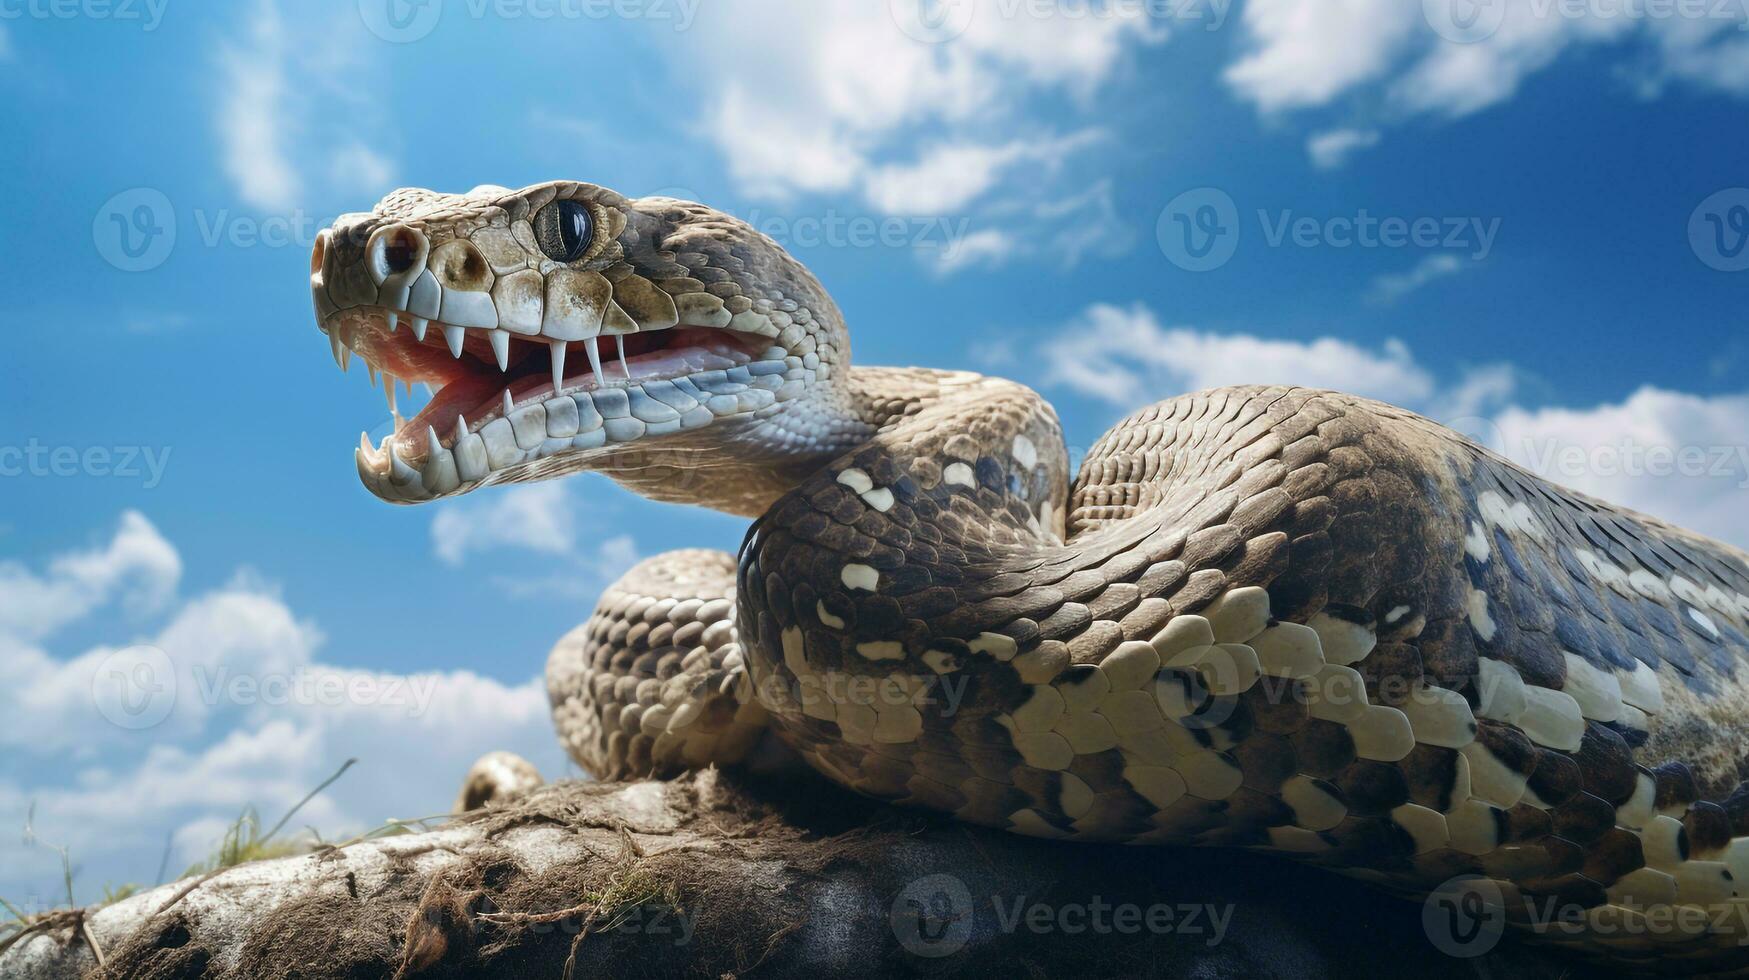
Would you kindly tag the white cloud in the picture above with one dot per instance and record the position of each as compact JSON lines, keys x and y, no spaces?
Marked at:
{"x":1677,"y":456}
{"x":254,"y":114}
{"x":252,"y":715}
{"x":946,"y":177}
{"x":1332,"y":148}
{"x":1306,"y":52}
{"x":359,"y":168}
{"x":1680,"y":457}
{"x":581,"y":578}
{"x":539,"y":518}
{"x":1126,"y":358}
{"x":839,"y":106}
{"x":988,"y":247}
{"x":1309,"y":53}
{"x":1391,"y":287}
{"x":137,"y":565}
{"x":536,"y":517}
{"x":293,"y":96}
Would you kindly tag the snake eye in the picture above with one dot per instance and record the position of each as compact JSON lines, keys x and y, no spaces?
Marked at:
{"x":564,"y":230}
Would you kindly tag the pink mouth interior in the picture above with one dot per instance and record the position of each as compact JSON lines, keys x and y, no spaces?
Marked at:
{"x":472,"y":386}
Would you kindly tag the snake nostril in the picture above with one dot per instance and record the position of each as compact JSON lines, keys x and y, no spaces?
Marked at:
{"x":394,"y":250}
{"x":399,"y":250}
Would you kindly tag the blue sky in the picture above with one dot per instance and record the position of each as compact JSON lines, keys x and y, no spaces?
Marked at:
{"x":1006,"y":188}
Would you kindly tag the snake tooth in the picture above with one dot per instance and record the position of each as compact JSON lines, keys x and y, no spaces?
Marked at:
{"x":1257,"y":616}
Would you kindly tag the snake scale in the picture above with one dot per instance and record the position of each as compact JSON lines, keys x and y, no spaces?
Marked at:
{"x":1260,"y":617}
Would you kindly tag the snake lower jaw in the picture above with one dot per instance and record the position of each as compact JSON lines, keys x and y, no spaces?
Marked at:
{"x":510,"y":409}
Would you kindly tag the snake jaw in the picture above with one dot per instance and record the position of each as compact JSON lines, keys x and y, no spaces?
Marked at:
{"x":542,"y":367}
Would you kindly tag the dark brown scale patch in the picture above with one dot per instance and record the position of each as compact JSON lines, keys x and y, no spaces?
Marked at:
{"x":1278,"y":716}
{"x":1390,"y":672}
{"x":1312,"y":516}
{"x":1323,"y":748}
{"x":878,"y":617}
{"x":1708,"y":828}
{"x":1556,"y":778}
{"x":1737,"y":808}
{"x":1298,"y":592}
{"x":1099,"y":769}
{"x":1259,"y":561}
{"x":1566,"y":856}
{"x":1522,"y":823}
{"x":1583,"y":818}
{"x":1266,"y":761}
{"x":1509,"y":745}
{"x":1371,"y":842}
{"x":1252,"y":812}
{"x":1040,"y":787}
{"x":1431,"y":771}
{"x":1617,"y":852}
{"x":1448,"y":654}
{"x":1676,"y":789}
{"x":1607,"y":764}
{"x":1372,"y":788}
{"x":1571,"y":893}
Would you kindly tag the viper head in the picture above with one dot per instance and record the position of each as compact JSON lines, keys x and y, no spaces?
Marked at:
{"x":562,"y":327}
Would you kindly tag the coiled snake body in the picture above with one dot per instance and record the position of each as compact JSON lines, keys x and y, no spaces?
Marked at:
{"x":1272,"y":618}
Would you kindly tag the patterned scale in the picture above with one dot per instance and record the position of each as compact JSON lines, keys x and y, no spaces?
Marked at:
{"x":1282,"y":619}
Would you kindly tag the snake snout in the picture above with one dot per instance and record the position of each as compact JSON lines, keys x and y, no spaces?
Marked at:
{"x":556,"y":321}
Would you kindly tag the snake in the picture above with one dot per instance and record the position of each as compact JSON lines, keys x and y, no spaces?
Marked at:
{"x":1266,"y":617}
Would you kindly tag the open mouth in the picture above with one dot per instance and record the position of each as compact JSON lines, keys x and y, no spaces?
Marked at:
{"x":501,"y":400}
